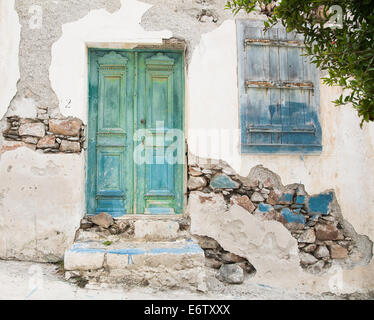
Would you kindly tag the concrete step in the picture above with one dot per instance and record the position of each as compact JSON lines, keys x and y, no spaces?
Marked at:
{"x":173,"y":264}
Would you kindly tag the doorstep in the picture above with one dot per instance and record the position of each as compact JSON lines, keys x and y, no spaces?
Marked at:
{"x":173,"y":264}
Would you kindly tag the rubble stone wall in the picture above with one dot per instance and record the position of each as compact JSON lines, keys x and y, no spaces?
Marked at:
{"x":323,"y":239}
{"x":45,"y":134}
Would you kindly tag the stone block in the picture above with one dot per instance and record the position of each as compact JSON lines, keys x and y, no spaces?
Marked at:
{"x":292,"y":217}
{"x":244,"y":202}
{"x":309,"y":236}
{"x":195,"y":183}
{"x":208,"y":243}
{"x":164,"y":255}
{"x":103,"y":219}
{"x":320,"y":204}
{"x":222,"y":181}
{"x":34,"y":129}
{"x":265,"y":208}
{"x":79,"y":257}
{"x":257,"y":197}
{"x":156,"y":229}
{"x":286,"y":198}
{"x":67,"y":127}
{"x":322,"y":252}
{"x":231,"y":273}
{"x":273,"y":197}
{"x":338,"y":252}
{"x":307,"y":258}
{"x":70,"y":146}
{"x":47,"y":142}
{"x":326,"y":232}
{"x":195,"y":172}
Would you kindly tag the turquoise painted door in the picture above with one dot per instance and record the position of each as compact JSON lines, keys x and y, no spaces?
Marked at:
{"x":135,"y":132}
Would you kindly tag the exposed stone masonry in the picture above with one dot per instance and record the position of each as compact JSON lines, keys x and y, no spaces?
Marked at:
{"x":216,"y":257}
{"x":48,"y":135}
{"x":312,"y":220}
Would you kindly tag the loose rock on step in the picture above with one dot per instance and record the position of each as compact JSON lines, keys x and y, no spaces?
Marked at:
{"x":231,"y":273}
{"x":103,"y":220}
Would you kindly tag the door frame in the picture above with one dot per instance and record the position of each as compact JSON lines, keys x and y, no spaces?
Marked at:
{"x":92,"y":104}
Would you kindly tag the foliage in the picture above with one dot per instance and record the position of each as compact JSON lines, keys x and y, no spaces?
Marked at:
{"x":339,"y":38}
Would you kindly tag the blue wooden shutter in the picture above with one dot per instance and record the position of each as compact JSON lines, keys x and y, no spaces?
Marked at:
{"x":279,"y":92}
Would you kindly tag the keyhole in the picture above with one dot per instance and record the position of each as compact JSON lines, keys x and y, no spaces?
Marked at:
{"x":142,"y":121}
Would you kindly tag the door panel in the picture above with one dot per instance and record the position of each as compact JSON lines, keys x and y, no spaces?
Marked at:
{"x":110,"y":171}
{"x":134,"y":91}
{"x":160,"y":77}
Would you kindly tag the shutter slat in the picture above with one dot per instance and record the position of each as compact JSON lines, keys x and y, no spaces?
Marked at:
{"x":274,"y":43}
{"x":306,"y":85}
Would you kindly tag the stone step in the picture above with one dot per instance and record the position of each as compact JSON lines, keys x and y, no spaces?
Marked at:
{"x":174,"y":264}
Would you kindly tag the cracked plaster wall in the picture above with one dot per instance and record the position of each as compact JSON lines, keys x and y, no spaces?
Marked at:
{"x":9,"y":39}
{"x":52,"y":73}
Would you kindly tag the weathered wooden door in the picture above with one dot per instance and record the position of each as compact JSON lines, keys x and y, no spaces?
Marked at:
{"x":135,"y":132}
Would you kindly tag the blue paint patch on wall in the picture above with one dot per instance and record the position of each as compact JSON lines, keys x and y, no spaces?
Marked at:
{"x":264,"y":208}
{"x":320,"y":203}
{"x":300,"y":199}
{"x":292,"y":217}
{"x":223,"y":182}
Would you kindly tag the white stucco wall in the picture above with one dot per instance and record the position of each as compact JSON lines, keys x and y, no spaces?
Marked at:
{"x":345,"y":164}
{"x":10,"y":30}
{"x":40,"y":203}
{"x":42,"y":196}
{"x":99,"y":28}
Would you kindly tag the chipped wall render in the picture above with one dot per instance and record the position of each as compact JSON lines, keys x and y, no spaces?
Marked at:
{"x":40,"y":213}
{"x":10,"y":30}
{"x":54,"y":79}
{"x":344,"y":143}
{"x":68,"y":71}
{"x":250,"y":221}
